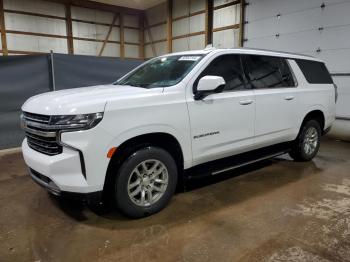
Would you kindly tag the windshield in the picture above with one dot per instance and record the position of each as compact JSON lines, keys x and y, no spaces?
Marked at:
{"x":161,"y":72}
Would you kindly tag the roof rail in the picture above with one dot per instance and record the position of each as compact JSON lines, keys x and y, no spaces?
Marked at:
{"x":273,"y":51}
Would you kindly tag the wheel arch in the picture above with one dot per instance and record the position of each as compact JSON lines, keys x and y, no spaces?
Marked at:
{"x":317,"y":115}
{"x":163,"y":140}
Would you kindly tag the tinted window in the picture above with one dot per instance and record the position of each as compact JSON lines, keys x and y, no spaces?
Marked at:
{"x":267,"y":72}
{"x":315,"y":72}
{"x":229,"y":67}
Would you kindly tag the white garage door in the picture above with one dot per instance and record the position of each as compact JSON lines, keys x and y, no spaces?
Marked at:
{"x":313,"y":27}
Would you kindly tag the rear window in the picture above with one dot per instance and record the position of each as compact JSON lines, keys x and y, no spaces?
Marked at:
{"x":315,"y":72}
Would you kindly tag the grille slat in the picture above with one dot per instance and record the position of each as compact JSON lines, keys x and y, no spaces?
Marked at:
{"x":42,"y":139}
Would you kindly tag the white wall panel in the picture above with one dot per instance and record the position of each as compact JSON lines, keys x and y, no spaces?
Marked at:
{"x":35,"y":24}
{"x":131,"y":51}
{"x":94,"y":31}
{"x":89,"y":30}
{"x":36,"y":43}
{"x":156,"y":14}
{"x":226,"y":16}
{"x":111,"y":50}
{"x":197,"y":23}
{"x":189,"y":25}
{"x":92,"y":15}
{"x":226,"y":38}
{"x":158,"y":32}
{"x":131,"y":20}
{"x":197,"y":42}
{"x":181,"y":8}
{"x":189,"y":43}
{"x":197,"y":5}
{"x":131,"y":35}
{"x":115,"y":34}
{"x":181,"y":27}
{"x":36,"y":6}
{"x":161,"y":49}
{"x":87,"y":47}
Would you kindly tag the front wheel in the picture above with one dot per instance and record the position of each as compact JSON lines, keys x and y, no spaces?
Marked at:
{"x":145,"y":182}
{"x":307,"y":143}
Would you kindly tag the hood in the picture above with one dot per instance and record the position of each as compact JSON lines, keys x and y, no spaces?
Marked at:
{"x":83,"y":100}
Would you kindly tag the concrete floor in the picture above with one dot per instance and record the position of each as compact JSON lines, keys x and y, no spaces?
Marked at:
{"x":277,"y":210}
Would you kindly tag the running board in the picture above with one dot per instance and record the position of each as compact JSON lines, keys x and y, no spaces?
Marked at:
{"x":247,"y":163}
{"x":217,"y":167}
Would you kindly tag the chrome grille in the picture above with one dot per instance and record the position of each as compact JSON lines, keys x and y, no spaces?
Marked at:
{"x":40,"y":136}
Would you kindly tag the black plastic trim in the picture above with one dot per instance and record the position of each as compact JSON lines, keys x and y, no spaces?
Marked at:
{"x":236,"y":161}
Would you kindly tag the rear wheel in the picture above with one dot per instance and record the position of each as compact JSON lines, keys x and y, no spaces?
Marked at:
{"x":145,"y":182}
{"x":307,"y":143}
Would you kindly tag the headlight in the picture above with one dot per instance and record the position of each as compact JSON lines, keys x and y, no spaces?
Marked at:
{"x":85,"y":121}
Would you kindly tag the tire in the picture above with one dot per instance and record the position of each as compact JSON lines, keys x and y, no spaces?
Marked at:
{"x":307,"y":144}
{"x":136,"y":173}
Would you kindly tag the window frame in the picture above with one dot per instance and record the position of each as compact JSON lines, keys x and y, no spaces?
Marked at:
{"x":195,"y":83}
{"x":282,"y":60}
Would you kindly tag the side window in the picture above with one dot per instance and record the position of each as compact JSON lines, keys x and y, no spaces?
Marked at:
{"x":267,"y":72}
{"x":315,"y":72}
{"x":229,"y":67}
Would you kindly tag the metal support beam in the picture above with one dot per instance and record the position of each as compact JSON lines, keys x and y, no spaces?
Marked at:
{"x":209,"y":13}
{"x":3,"y":29}
{"x":169,"y":25}
{"x":121,"y":31}
{"x":108,"y":34}
{"x":142,"y":37}
{"x":69,"y":28}
{"x":241,"y":24}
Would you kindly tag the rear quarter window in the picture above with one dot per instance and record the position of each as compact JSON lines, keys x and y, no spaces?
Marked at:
{"x":315,"y":72}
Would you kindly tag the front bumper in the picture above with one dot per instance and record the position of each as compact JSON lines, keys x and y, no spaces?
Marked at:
{"x":63,"y":171}
{"x":50,"y":186}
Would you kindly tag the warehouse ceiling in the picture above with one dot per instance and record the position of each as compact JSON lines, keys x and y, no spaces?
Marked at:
{"x":137,"y":4}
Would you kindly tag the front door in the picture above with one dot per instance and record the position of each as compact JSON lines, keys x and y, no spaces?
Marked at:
{"x":222,"y":124}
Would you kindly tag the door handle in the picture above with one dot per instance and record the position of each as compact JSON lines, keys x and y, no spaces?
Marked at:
{"x":246,"y":102}
{"x":289,"y":97}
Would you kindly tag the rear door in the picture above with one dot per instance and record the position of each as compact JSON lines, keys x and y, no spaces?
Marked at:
{"x":275,"y":98}
{"x":222,"y":124}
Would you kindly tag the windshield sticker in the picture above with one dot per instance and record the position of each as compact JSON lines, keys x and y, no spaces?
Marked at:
{"x":189,"y":58}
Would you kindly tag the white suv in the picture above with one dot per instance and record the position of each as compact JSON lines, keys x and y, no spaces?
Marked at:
{"x":176,"y":116}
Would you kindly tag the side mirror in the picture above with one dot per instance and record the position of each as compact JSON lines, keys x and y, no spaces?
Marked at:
{"x":208,"y":85}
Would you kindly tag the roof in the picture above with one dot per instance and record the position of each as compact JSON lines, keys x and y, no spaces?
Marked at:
{"x":245,"y":50}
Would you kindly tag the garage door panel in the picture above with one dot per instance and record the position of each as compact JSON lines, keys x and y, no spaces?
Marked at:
{"x":303,"y":21}
{"x":333,"y":61}
{"x":337,"y":14}
{"x":258,"y":9}
{"x":335,"y":38}
{"x":262,"y":28}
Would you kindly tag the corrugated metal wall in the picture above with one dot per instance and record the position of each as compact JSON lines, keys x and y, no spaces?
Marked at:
{"x":313,"y":27}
